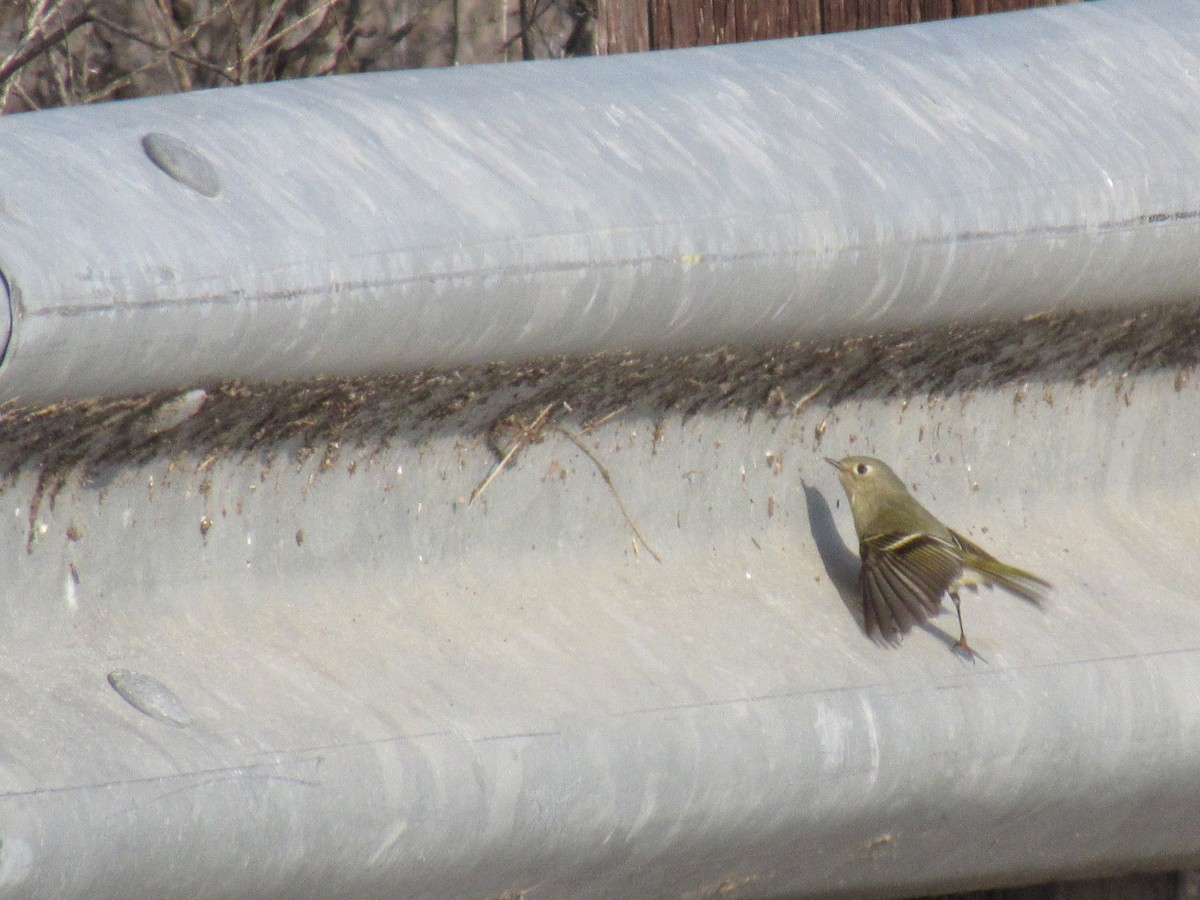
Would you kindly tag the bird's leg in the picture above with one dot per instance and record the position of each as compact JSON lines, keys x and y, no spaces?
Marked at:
{"x":961,"y":643}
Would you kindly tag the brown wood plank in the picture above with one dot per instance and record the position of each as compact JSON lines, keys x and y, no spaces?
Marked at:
{"x":622,"y":27}
{"x":929,"y":10}
{"x":632,"y":25}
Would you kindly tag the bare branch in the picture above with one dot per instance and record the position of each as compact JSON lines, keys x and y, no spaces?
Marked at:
{"x":168,"y":50}
{"x":612,"y":487}
{"x":38,"y":42}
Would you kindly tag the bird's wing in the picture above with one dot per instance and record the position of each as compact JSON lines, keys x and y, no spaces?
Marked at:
{"x":1024,"y":584}
{"x":971,"y":547}
{"x":903,"y":578}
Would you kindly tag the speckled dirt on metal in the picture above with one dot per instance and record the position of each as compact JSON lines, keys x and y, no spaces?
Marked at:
{"x":91,"y":438}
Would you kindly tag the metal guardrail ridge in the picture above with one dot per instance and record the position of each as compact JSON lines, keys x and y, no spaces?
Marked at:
{"x":587,"y":627}
{"x":312,"y":667}
{"x":981,"y":167}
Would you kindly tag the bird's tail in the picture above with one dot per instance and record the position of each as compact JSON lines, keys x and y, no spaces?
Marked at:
{"x":990,"y":570}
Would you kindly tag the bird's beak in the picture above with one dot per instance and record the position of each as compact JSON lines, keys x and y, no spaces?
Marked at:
{"x":835,"y":463}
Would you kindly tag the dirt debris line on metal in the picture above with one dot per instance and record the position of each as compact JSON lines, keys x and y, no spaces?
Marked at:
{"x":509,"y":406}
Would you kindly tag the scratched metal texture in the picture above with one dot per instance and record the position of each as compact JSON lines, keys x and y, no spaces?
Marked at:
{"x":346,"y":567}
{"x":745,"y":194}
{"x":258,"y":642}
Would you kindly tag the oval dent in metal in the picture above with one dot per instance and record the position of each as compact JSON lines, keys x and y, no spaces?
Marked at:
{"x":182,"y":162}
{"x":150,"y":696}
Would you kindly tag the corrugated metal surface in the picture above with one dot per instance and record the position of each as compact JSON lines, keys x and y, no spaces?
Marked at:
{"x":995,"y":166}
{"x":586,"y":626}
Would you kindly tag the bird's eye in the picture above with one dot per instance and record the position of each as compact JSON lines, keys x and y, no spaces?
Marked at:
{"x":862,"y":468}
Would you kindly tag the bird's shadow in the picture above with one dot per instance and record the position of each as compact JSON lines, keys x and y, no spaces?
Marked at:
{"x":841,"y":565}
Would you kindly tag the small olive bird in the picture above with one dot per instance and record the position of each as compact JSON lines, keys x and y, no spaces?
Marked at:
{"x":910,"y":559}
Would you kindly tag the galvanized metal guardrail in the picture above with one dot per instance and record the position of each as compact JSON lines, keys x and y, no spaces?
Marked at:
{"x":384,"y":522}
{"x":663,"y":201}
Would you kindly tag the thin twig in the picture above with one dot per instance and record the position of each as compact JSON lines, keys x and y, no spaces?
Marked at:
{"x":533,"y":434}
{"x":38,"y":42}
{"x":168,"y":50}
{"x":496,"y":470}
{"x":526,"y":437}
{"x":263,"y":31}
{"x":167,"y":28}
{"x":239,"y":47}
{"x":262,"y":43}
{"x":804,"y":401}
{"x":608,"y":480}
{"x":596,"y":423}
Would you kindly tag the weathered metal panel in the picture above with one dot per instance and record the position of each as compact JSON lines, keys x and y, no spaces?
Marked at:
{"x":746,"y":194}
{"x":586,"y":627}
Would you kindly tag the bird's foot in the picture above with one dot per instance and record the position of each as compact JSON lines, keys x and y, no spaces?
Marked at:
{"x":961,"y":646}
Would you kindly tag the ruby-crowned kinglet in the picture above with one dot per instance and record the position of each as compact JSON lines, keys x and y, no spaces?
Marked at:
{"x":910,"y":559}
